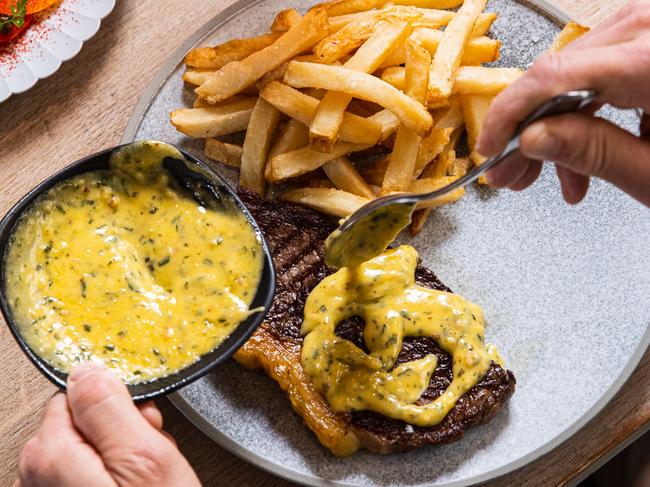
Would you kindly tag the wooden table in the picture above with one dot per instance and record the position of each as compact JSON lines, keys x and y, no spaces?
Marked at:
{"x":83,"y":108}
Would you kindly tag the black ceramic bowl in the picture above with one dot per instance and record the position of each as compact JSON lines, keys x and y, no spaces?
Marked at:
{"x":164,"y":385}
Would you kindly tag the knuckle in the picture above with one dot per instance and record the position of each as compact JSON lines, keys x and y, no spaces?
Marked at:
{"x":144,"y":462}
{"x":549,"y":66}
{"x":90,"y":393}
{"x":34,"y":462}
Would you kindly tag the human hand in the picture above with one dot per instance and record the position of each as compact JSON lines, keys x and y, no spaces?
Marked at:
{"x":96,"y":436}
{"x":614,"y":60}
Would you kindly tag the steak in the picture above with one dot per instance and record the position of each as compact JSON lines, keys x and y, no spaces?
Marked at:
{"x":296,"y":236}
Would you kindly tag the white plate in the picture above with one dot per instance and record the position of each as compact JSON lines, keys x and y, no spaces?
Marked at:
{"x":56,"y":35}
{"x":565,"y":290}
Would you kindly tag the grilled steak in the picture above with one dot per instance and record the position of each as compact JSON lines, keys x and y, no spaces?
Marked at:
{"x":296,"y":236}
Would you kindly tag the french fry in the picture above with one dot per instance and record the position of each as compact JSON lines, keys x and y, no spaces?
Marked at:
{"x":430,"y":147}
{"x":294,"y":135}
{"x":442,"y":165}
{"x":479,"y":80}
{"x":263,"y":122}
{"x":430,"y":184}
{"x":237,"y":75}
{"x":353,"y":35}
{"x":229,"y":154}
{"x":278,"y":73}
{"x":200,"y":103}
{"x":478,"y":50}
{"x":303,"y":107}
{"x":214,"y":121}
{"x":327,"y":121}
{"x":403,"y":159}
{"x":459,"y":167}
{"x":569,"y":34}
{"x":284,"y":20}
{"x":450,"y":117}
{"x":471,"y":80}
{"x":388,"y":121}
{"x":361,"y":85}
{"x":475,"y":109}
{"x":331,"y":201}
{"x":301,"y":161}
{"x":345,"y":7}
{"x":449,"y":54}
{"x":483,"y":24}
{"x":442,"y":4}
{"x":345,"y":176}
{"x":235,"y":50}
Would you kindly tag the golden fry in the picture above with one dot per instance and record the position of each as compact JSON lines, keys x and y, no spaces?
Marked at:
{"x":303,"y":107}
{"x":483,"y":24}
{"x":327,"y":121}
{"x":441,"y":4}
{"x":353,"y":35}
{"x":478,"y":50}
{"x":361,"y":85}
{"x":294,"y":135}
{"x":475,"y":109}
{"x":237,"y":75}
{"x":263,"y":122}
{"x":345,"y":7}
{"x":403,"y":160}
{"x":235,"y":50}
{"x":345,"y":176}
{"x":388,"y":121}
{"x":301,"y":161}
{"x":331,"y":201}
{"x":229,"y":154}
{"x":213,"y":121}
{"x":471,"y":80}
{"x":430,"y":184}
{"x":449,"y":54}
{"x":284,"y":20}
{"x":430,"y":147}
{"x":569,"y":34}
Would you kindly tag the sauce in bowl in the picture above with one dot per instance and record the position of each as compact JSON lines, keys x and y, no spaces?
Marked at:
{"x":119,"y":266}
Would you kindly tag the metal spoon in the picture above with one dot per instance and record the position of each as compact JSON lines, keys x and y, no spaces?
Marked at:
{"x":368,"y":231}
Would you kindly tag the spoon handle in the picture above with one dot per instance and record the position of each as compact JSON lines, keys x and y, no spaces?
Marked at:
{"x":570,"y":102}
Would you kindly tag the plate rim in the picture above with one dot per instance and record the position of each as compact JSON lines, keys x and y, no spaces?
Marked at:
{"x":544,"y":7}
{"x":111,"y":6}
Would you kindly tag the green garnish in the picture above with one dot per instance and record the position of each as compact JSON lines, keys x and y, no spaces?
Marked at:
{"x":16,"y":18}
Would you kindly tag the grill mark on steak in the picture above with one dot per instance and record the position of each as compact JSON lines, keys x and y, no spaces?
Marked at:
{"x":296,"y":237}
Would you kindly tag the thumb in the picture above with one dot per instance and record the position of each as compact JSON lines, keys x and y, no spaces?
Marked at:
{"x":592,"y":147}
{"x":103,"y":411}
{"x":133,"y":451}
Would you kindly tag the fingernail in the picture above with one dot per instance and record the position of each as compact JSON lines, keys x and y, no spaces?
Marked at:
{"x":539,"y":143}
{"x":488,"y":178}
{"x":83,"y":370}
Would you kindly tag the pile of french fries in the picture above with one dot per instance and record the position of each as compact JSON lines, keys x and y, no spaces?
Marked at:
{"x":343,"y":78}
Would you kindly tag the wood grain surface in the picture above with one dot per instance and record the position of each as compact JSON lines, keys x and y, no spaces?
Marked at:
{"x":84,"y":108}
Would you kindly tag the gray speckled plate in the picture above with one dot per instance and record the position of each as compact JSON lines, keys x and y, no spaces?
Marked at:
{"x":565,"y":290}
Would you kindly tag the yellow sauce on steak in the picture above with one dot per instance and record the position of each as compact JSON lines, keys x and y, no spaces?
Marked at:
{"x":383,"y":292}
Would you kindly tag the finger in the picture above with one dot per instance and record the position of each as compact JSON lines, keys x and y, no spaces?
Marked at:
{"x":553,"y":74}
{"x":630,"y":21}
{"x":134,"y":452}
{"x":592,"y":147}
{"x":508,"y":171}
{"x":152,"y":414}
{"x":644,"y":128}
{"x":574,"y":186}
{"x":528,"y":178}
{"x":42,"y":459}
{"x":104,"y":412}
